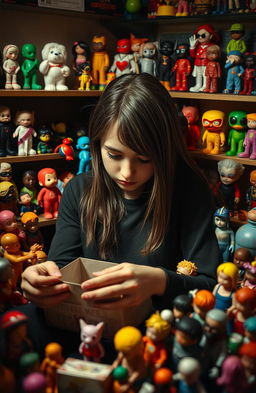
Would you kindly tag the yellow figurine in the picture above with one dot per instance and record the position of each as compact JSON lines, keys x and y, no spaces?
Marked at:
{"x":85,"y":78}
{"x":214,"y":136}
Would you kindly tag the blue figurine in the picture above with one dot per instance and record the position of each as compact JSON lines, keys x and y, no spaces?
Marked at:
{"x":235,"y":72}
{"x":83,"y":144}
{"x":225,"y":235}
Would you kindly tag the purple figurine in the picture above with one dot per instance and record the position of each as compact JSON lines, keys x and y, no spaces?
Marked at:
{"x":250,"y":138}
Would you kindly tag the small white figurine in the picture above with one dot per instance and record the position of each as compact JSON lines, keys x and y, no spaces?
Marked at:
{"x":54,"y":67}
{"x":24,"y":120}
{"x":90,"y":347}
{"x":11,"y":66}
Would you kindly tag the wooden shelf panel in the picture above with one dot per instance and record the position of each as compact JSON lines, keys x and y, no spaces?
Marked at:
{"x":45,"y":222}
{"x":213,"y":97}
{"x":36,"y":157}
{"x":217,"y":157}
{"x":45,"y":93}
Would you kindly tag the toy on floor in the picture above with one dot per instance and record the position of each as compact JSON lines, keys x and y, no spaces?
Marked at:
{"x":203,"y":301}
{"x":182,"y":306}
{"x":227,"y":276}
{"x":90,"y":347}
{"x":65,"y":149}
{"x":52,"y":361}
{"x":25,"y":132}
{"x":224,"y":234}
{"x":83,"y":144}
{"x":188,"y":376}
{"x":29,"y":67}
{"x":11,"y":66}
{"x":214,"y":135}
{"x":250,"y":138}
{"x":7,"y":144}
{"x":238,"y":123}
{"x":49,"y":196}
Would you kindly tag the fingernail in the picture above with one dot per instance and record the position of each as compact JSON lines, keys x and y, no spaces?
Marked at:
{"x":57,"y":274}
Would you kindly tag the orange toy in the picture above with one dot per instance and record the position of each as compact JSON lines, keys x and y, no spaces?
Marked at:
{"x":52,"y":361}
{"x":100,"y":62}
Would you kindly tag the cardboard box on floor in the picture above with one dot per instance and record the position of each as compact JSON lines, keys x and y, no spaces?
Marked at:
{"x":66,"y":315}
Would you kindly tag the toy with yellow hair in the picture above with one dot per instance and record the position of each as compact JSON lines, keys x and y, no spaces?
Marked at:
{"x":186,"y":267}
{"x":214,"y":136}
{"x":227,"y":276}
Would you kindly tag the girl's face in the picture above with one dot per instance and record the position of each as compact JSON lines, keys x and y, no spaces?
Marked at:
{"x":128,"y":169}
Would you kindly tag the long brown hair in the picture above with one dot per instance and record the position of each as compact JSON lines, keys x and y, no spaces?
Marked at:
{"x":149,"y":125}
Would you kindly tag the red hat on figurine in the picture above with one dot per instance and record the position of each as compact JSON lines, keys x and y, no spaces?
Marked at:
{"x":210,"y":29}
{"x":12,"y":318}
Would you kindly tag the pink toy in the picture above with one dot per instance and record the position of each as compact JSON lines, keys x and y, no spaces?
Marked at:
{"x":183,"y":8}
{"x":232,"y":377}
{"x":192,"y":115}
{"x":212,"y":70}
{"x":250,"y":275}
{"x":9,"y":224}
{"x":49,"y":196}
{"x":250,"y":138}
{"x":91,"y":348}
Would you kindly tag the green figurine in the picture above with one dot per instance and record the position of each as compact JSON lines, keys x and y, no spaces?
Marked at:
{"x":29,"y":67}
{"x":236,"y":43}
{"x":237,"y":120}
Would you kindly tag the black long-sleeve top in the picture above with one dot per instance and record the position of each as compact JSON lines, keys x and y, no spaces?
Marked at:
{"x":190,"y":236}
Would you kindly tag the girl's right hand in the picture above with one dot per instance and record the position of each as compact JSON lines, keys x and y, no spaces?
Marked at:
{"x":41,"y":284}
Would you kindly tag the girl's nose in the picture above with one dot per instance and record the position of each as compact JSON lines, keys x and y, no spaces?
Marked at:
{"x":127,"y":169}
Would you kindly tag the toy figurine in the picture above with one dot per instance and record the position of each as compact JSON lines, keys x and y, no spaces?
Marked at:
{"x":91,"y":348}
{"x":203,"y":301}
{"x":241,"y":256}
{"x":213,"y":136}
{"x":233,"y":378}
{"x":157,"y":330}
{"x":182,"y":67}
{"x":227,"y":275}
{"x":65,"y":149}
{"x":6,"y":175}
{"x":35,"y":382}
{"x":165,"y":8}
{"x":64,"y":179}
{"x":220,"y":7}
{"x":236,"y":43}
{"x":25,"y":203}
{"x":128,"y":343}
{"x":224,"y":234}
{"x":29,"y":67}
{"x":251,"y":192}
{"x":7,"y":147}
{"x":52,"y":361}
{"x":9,"y":224}
{"x":85,"y":78}
{"x":11,"y":66}
{"x":249,"y":74}
{"x":147,"y":61}
{"x":183,"y":8}
{"x":49,"y":196}
{"x":83,"y":144}
{"x":45,"y":136}
{"x":30,"y":223}
{"x":233,"y":6}
{"x":17,"y":257}
{"x":250,"y":275}
{"x":246,"y":234}
{"x":123,"y":61}
{"x":24,"y":120}
{"x":120,"y":376}
{"x":201,"y":7}
{"x":204,"y":36}
{"x":237,"y":120}
{"x":29,"y":182}
{"x":186,"y":267}
{"x":192,"y":115}
{"x":250,"y":329}
{"x":8,"y":197}
{"x":152,"y":9}
{"x":235,"y":72}
{"x":54,"y":67}
{"x":244,"y":306}
{"x":247,"y":354}
{"x":135,"y":47}
{"x":164,"y":63}
{"x":100,"y":62}
{"x":189,"y":371}
{"x":230,"y":171}
{"x":163,"y":382}
{"x":212,"y":70}
{"x":182,"y":305}
{"x":250,"y":138}
{"x":29,"y":363}
{"x":81,"y":54}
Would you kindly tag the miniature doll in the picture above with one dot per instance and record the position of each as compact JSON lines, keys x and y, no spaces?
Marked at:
{"x":81,"y":54}
{"x":182,"y":67}
{"x":6,"y":175}
{"x":201,"y":7}
{"x":100,"y":62}
{"x":230,"y":171}
{"x":183,"y":8}
{"x":123,"y":61}
{"x":52,"y":361}
{"x":249,"y":74}
{"x":233,"y":378}
{"x":135,"y":47}
{"x":29,"y":182}
{"x":85,"y":77}
{"x":49,"y":196}
{"x":227,"y":275}
{"x":64,"y":179}
{"x":213,"y":136}
{"x":212,"y":70}
{"x":83,"y":144}
{"x":29,"y":67}
{"x":241,"y":256}
{"x":235,"y":72}
{"x":204,"y":36}
{"x":247,"y":354}
{"x":54,"y":67}
{"x":90,"y":347}
{"x":128,"y":343}
{"x":26,"y":204}
{"x":65,"y":149}
{"x":251,"y":192}
{"x":157,"y":330}
{"x":203,"y":301}
{"x":186,"y":267}
{"x":163,"y":382}
{"x":148,"y":55}
{"x":30,"y":224}
{"x":250,"y":329}
{"x":188,"y":376}
{"x":24,"y":120}
{"x":250,"y":138}
{"x":250,"y":275}
{"x":11,"y":66}
{"x":237,"y":120}
{"x":182,"y":305}
{"x":7,"y":144}
{"x":224,"y":234}
{"x":9,"y":224}
{"x":164,"y":63}
{"x":8,"y":197}
{"x":192,"y":115}
{"x":45,"y":136}
{"x":236,"y":43}
{"x":244,"y":306}
{"x":17,"y":257}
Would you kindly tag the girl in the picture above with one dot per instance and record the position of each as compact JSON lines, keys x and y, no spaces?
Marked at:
{"x":133,"y":207}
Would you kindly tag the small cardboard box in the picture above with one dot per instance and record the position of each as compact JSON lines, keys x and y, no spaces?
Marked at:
{"x":66,"y":315}
{"x":76,"y":375}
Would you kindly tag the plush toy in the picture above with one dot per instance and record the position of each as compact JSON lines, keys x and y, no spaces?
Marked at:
{"x":53,"y":66}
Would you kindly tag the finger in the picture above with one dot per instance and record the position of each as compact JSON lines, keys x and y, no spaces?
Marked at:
{"x":37,"y":280}
{"x":106,"y":279}
{"x":49,"y":268}
{"x":109,"y":293}
{"x":52,"y":290}
{"x":109,"y":270}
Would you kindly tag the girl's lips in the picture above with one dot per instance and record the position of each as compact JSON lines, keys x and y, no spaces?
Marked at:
{"x":126,"y":183}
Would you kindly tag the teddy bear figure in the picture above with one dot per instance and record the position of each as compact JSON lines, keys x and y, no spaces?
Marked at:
{"x":54,"y":67}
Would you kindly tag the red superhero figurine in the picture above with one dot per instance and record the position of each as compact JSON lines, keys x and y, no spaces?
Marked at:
{"x":49,"y":196}
{"x":65,"y":149}
{"x":192,"y":115}
{"x":249,"y":74}
{"x":212,"y":70}
{"x":182,"y":67}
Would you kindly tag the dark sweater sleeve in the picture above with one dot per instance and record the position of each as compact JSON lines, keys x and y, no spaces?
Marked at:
{"x":67,"y":242}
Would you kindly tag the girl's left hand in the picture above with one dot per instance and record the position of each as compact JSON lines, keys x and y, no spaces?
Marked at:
{"x":124,"y":285}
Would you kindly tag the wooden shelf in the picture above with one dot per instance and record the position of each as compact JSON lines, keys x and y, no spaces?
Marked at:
{"x":47,"y":94}
{"x":45,"y":222}
{"x":213,"y":97}
{"x":217,"y":157}
{"x":36,"y":157}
